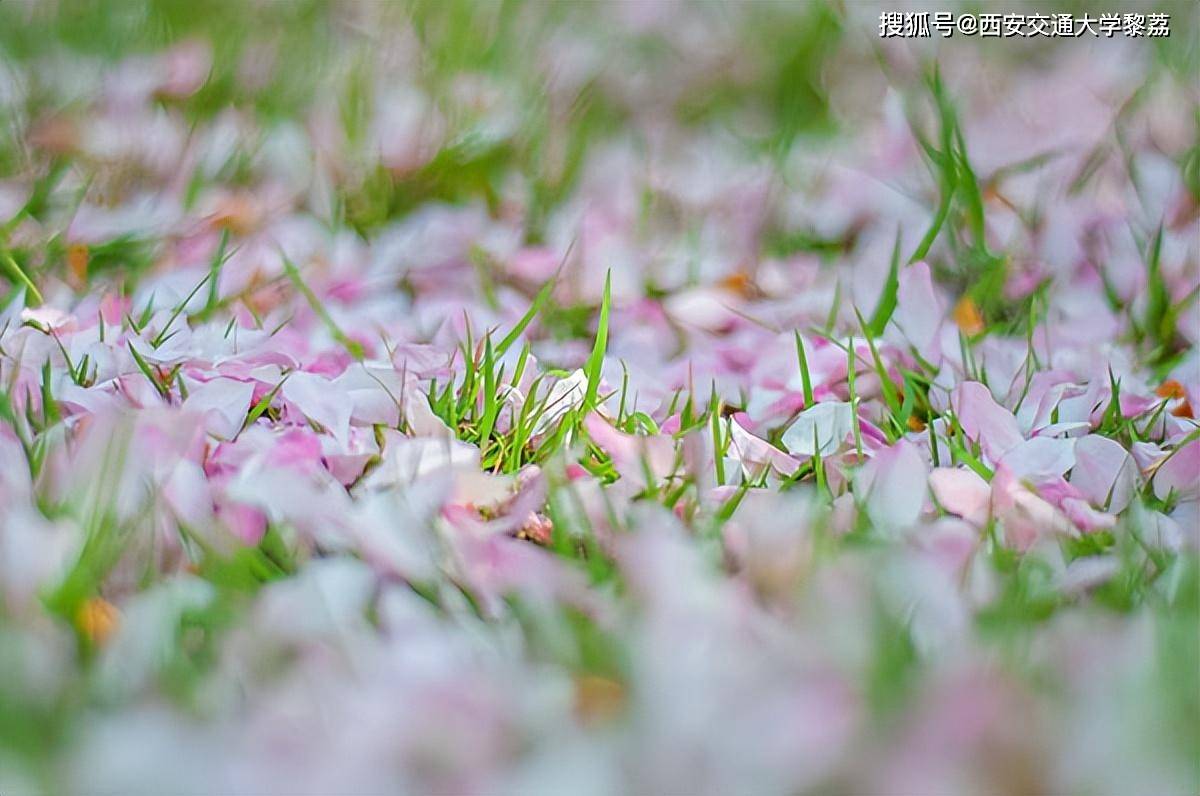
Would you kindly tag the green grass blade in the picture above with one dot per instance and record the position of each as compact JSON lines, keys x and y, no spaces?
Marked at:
{"x":595,"y":361}
{"x":539,"y":301}
{"x":19,"y":276}
{"x":887,"y":297}
{"x":805,"y":376}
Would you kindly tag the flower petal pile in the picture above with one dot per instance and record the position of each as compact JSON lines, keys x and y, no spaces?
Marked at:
{"x":638,"y":398}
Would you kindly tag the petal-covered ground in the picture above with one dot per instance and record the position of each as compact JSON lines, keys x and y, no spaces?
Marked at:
{"x":649,"y":397}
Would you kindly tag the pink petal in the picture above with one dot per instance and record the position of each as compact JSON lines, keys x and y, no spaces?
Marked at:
{"x":751,"y":450}
{"x":704,"y":308}
{"x":984,"y":420}
{"x":224,"y":404}
{"x":1040,"y":458}
{"x":1024,"y":516}
{"x":1104,"y":472}
{"x":822,"y":428}
{"x":1085,"y":517}
{"x":320,"y":400}
{"x":919,"y":310}
{"x":893,"y":484}
{"x":1180,"y":473}
{"x":962,"y":492}
{"x":632,"y":455}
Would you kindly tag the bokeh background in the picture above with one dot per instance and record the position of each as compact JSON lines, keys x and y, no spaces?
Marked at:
{"x":265,"y":589}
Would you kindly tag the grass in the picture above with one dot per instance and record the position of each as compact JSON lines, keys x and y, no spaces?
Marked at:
{"x":501,"y":399}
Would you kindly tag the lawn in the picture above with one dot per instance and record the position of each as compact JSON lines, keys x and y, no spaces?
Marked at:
{"x":638,"y":397}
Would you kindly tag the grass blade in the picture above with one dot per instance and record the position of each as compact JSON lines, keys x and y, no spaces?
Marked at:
{"x":595,"y":360}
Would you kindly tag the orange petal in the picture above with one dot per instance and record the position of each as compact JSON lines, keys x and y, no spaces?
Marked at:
{"x":968,"y":317}
{"x":77,"y":260}
{"x":740,"y":283}
{"x":598,"y":699}
{"x":97,"y":619}
{"x":1170,"y":389}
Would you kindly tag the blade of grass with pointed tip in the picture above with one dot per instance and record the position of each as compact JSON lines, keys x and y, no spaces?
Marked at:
{"x":887,"y":297}
{"x":885,"y":383}
{"x":491,"y":406}
{"x":162,"y":336}
{"x":595,"y":361}
{"x":935,"y":227}
{"x":539,"y":301}
{"x":1158,"y":303}
{"x":805,"y":376}
{"x":968,"y":458}
{"x":972,"y":196}
{"x":851,"y":376}
{"x":19,"y":276}
{"x":719,"y":442}
{"x":50,"y":414}
{"x":257,"y":410}
{"x":214,"y":271}
{"x":147,"y":371}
